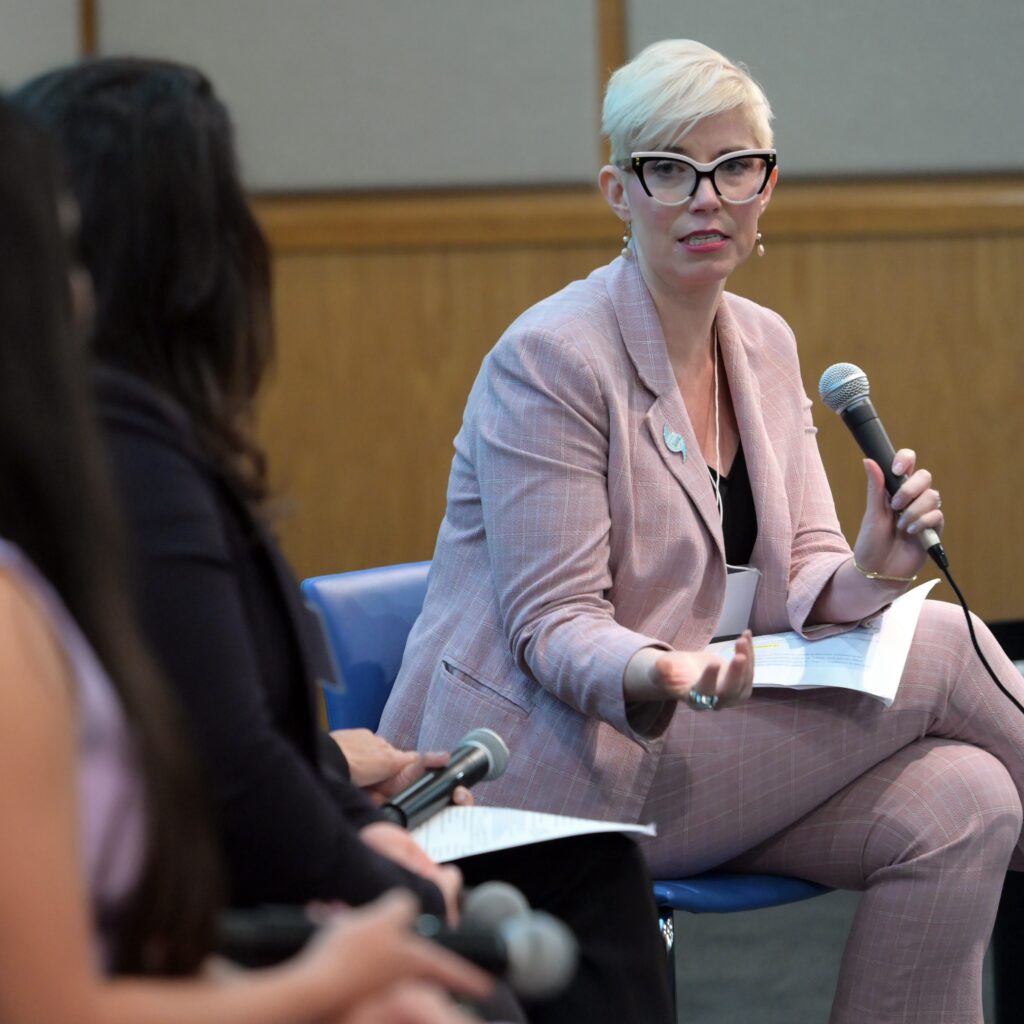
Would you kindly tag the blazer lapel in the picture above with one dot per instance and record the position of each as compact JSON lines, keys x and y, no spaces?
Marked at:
{"x":766,"y":477}
{"x":666,"y":420}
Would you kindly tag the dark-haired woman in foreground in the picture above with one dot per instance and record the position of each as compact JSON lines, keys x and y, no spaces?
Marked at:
{"x":183,"y":333}
{"x":108,"y":889}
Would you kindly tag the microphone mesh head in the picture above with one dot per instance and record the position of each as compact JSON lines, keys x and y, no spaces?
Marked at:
{"x":489,"y":905}
{"x":841,"y":385}
{"x":542,"y":955}
{"x":492,"y":745}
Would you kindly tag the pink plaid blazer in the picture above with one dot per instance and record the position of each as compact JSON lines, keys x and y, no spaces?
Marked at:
{"x":574,"y":535}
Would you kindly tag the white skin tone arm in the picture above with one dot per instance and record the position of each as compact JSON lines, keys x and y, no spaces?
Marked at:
{"x":45,"y":927}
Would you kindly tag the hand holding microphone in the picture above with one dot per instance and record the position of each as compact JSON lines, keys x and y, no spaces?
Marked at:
{"x":381,"y":770}
{"x":534,"y":952}
{"x":887,"y":546}
{"x":844,"y":389}
{"x":480,"y":756}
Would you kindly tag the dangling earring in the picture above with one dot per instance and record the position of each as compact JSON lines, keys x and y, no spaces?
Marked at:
{"x":627,"y":235}
{"x":760,"y":244}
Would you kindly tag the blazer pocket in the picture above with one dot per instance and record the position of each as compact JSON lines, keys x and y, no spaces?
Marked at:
{"x":461,"y":676}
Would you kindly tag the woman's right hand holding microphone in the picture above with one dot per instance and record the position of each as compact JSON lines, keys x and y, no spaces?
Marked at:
{"x":368,"y":965}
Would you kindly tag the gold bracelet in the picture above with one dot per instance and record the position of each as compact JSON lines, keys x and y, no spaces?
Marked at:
{"x":869,"y":575}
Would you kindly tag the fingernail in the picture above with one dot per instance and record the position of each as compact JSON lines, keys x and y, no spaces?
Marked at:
{"x":901,"y":522}
{"x":914,"y":529}
{"x":898,"y":466}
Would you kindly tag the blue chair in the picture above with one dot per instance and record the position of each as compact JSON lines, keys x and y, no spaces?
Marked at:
{"x":367,"y":615}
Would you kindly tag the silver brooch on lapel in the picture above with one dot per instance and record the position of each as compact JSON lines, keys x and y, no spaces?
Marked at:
{"x":675,"y":442}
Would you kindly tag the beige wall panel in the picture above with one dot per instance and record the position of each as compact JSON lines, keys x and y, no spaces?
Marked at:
{"x":35,"y":35}
{"x":333,"y":94}
{"x":875,"y":86}
{"x":379,"y":348}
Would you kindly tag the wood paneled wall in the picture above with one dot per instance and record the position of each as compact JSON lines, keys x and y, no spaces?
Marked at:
{"x":387,"y":304}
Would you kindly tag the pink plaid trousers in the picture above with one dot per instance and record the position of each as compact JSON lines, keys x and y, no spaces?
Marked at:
{"x":918,"y":806}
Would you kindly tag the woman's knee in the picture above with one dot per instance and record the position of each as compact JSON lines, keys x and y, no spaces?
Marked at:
{"x":944,"y":663}
{"x":943,"y":625}
{"x":942,"y":628}
{"x":962,"y":800}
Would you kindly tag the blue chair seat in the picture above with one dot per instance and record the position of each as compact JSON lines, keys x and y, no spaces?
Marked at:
{"x":720,"y":892}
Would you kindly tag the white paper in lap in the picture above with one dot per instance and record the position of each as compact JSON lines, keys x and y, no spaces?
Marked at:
{"x":466,"y":831}
{"x":869,"y":659}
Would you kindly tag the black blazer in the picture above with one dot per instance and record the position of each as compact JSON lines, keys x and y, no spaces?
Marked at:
{"x":224,"y":617}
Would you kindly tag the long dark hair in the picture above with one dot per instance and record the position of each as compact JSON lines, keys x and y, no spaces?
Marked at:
{"x":180,"y":268}
{"x":57,"y":506}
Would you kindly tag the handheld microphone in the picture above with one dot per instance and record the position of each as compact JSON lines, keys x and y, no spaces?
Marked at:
{"x":533,"y":951}
{"x":535,"y":954}
{"x":480,"y":756}
{"x":271,"y":932}
{"x":264,"y":935}
{"x":490,"y":904}
{"x":844,"y":389}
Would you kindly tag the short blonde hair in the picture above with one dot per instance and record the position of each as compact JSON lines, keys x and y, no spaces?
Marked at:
{"x":655,"y":99}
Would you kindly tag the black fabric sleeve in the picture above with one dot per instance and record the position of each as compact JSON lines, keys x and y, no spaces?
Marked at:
{"x":332,"y":756}
{"x":286,"y":831}
{"x":358,"y":807}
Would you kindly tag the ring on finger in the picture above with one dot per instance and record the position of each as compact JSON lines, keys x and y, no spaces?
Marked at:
{"x":702,"y":701}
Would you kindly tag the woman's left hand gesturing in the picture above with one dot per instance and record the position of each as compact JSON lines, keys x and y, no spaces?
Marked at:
{"x":889,"y":539}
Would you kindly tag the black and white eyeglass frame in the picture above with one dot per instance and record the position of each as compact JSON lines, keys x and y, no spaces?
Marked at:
{"x":637,"y":161}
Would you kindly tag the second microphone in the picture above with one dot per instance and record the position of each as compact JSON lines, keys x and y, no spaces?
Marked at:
{"x":481,"y":755}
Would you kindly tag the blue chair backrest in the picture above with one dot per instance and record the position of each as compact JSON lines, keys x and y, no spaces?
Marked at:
{"x":367,"y":615}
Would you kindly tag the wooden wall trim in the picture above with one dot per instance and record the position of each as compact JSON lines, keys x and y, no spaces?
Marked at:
{"x":611,"y":49}
{"x":611,"y":43}
{"x":443,"y":220}
{"x":88,"y":33}
{"x":914,"y":208}
{"x":500,"y":218}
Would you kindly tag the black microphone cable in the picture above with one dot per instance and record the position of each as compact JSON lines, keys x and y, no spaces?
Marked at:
{"x":974,"y":639}
{"x":845,"y":390}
